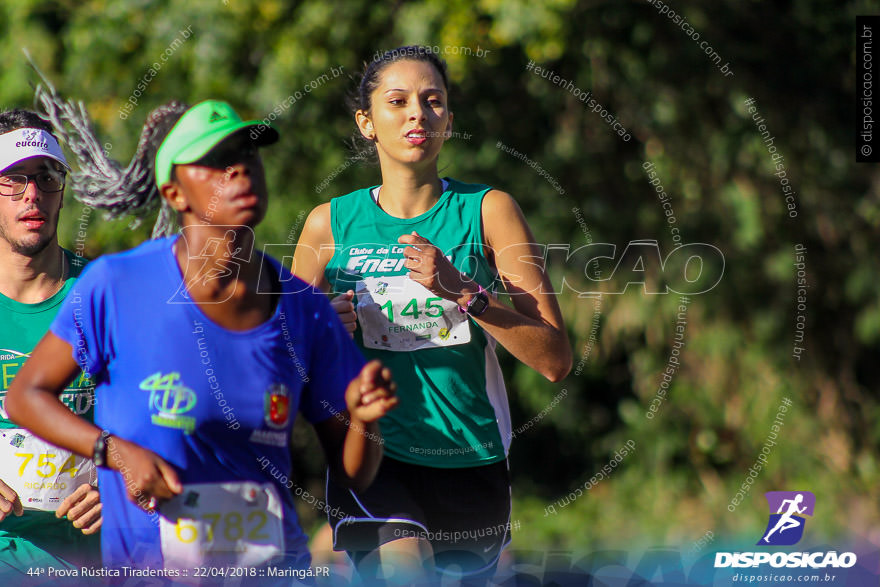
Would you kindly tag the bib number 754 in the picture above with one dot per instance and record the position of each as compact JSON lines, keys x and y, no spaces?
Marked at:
{"x":46,"y":466}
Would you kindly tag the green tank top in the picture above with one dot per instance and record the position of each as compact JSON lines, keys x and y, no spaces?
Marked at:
{"x":453,"y":408}
{"x":21,"y":328}
{"x":42,"y":475}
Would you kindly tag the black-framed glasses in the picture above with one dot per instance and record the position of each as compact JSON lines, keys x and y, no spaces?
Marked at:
{"x":15,"y":184}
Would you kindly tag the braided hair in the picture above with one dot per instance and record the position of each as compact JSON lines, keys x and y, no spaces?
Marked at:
{"x":102,"y":182}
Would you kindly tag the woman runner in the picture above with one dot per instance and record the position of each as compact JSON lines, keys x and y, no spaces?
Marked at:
{"x":203,"y":352}
{"x":423,"y":256}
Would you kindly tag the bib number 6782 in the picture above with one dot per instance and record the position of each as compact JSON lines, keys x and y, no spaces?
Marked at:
{"x":231,"y":526}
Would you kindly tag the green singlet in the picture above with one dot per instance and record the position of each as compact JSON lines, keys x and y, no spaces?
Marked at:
{"x":453,"y":409}
{"x":41,"y":474}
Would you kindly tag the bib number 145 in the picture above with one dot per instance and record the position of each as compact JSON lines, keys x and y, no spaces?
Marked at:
{"x":431,"y":309}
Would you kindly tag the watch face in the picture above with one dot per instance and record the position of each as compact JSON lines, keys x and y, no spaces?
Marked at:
{"x":478,"y":304}
{"x":100,"y":453}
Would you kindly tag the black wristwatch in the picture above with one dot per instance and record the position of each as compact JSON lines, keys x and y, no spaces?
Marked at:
{"x":99,"y":456}
{"x":477,"y":304}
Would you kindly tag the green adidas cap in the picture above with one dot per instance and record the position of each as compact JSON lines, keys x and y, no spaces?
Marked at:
{"x":200,"y":129}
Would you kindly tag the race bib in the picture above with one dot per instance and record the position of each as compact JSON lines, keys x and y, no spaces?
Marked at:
{"x":399,"y":314}
{"x":222,"y":524}
{"x":42,"y":474}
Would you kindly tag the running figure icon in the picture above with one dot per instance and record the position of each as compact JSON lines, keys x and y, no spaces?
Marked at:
{"x":787,"y":521}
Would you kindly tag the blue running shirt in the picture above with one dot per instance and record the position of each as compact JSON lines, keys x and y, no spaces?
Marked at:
{"x":216,"y":404}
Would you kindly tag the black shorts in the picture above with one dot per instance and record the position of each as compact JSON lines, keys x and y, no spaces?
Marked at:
{"x":464,"y":513}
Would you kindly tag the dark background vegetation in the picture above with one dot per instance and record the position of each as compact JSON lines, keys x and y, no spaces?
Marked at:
{"x":795,"y":58}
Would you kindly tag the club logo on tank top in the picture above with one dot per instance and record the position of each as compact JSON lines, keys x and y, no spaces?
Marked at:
{"x":372,"y":260}
{"x":79,"y":396}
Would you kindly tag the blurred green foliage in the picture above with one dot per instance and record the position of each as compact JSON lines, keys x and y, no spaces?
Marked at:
{"x":794,"y":57}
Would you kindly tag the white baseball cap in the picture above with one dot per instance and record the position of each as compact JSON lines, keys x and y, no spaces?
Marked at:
{"x":24,"y":143}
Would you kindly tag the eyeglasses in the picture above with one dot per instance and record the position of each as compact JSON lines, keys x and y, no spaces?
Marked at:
{"x":15,"y":184}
